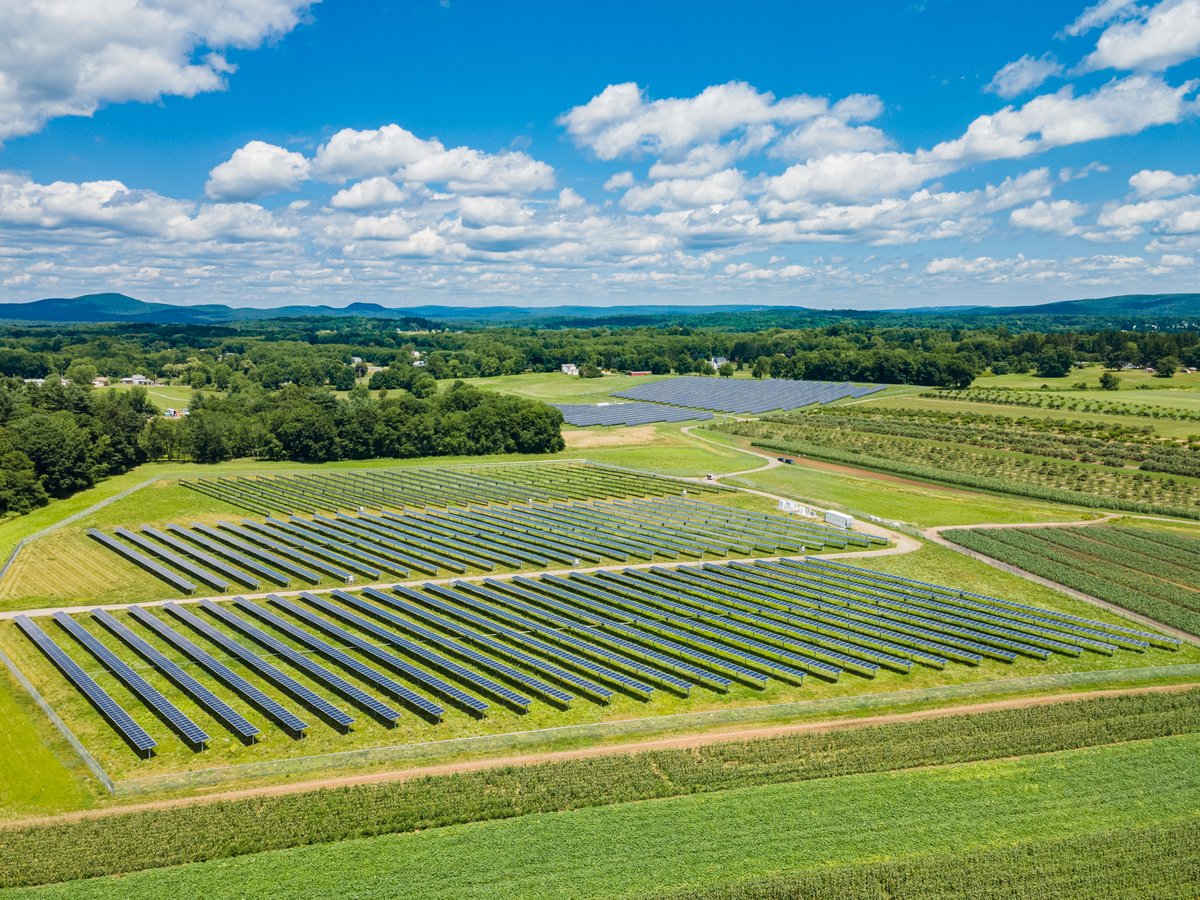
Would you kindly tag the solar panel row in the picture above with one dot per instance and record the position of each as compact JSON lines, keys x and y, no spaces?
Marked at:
{"x":744,"y":395}
{"x":585,"y":415}
{"x":552,"y":637}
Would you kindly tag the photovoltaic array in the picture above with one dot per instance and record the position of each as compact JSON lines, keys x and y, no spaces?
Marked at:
{"x":424,"y":486}
{"x":469,"y":647}
{"x":743,"y":395}
{"x":634,"y":413}
{"x":350,"y":547}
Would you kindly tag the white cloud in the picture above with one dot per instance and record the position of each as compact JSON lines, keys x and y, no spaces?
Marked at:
{"x":1100,"y":14}
{"x":493,"y":211}
{"x":1120,"y":107}
{"x":373,"y":193}
{"x":834,"y":133}
{"x":1023,"y":75}
{"x":620,"y":121}
{"x":1158,"y":38}
{"x":569,"y":200}
{"x":256,"y":170}
{"x":380,"y":151}
{"x":686,"y":193}
{"x":854,"y":176}
{"x":1177,"y":215}
{"x":1056,"y":217}
{"x":398,"y":153}
{"x":70,"y":57}
{"x":619,"y":181}
{"x":1161,"y":183}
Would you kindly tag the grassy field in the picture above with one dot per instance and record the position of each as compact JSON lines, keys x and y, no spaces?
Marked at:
{"x":723,"y":837}
{"x":1131,"y":380}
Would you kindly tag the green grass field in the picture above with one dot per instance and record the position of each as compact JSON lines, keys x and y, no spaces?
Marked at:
{"x":722,"y":837}
{"x":1167,"y":389}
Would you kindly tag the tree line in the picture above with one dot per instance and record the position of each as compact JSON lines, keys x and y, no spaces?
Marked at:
{"x":57,"y":439}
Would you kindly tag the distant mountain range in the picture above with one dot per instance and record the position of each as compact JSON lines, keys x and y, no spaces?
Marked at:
{"x":121,"y":308}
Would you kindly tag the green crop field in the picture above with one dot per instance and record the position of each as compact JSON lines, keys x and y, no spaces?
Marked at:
{"x":737,"y":834}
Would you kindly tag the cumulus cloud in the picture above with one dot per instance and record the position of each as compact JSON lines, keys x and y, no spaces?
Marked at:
{"x":1120,"y":107}
{"x":1023,"y":75}
{"x":256,"y":170}
{"x":619,"y":181}
{"x":398,"y":153}
{"x":373,"y":193}
{"x":1157,"y":38}
{"x":854,"y":176}
{"x":69,"y":58}
{"x":720,"y":187}
{"x":621,"y":121}
{"x":1161,"y":183}
{"x":1056,"y":217}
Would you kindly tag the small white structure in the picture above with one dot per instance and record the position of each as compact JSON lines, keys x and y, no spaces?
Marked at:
{"x":138,"y":379}
{"x":570,"y":369}
{"x":838,"y":520}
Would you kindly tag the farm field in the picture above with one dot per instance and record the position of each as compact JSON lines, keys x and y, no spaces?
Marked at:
{"x":1151,"y":571}
{"x":993,"y":453}
{"x":734,"y":835}
{"x":152,"y":838}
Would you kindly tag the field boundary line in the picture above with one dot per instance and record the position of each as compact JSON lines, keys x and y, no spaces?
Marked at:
{"x":699,"y":726}
{"x":934,"y":534}
{"x":88,"y":760}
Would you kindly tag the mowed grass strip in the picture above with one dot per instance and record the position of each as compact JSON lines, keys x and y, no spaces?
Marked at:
{"x":693,"y":842}
{"x":147,"y":839}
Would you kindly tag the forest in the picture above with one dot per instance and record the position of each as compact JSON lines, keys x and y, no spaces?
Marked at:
{"x":58,"y":439}
{"x":317,"y":352}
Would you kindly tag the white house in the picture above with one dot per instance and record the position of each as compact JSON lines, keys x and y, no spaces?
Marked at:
{"x":570,"y":369}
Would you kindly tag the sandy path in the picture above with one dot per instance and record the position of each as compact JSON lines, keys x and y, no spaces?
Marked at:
{"x":675,"y":742}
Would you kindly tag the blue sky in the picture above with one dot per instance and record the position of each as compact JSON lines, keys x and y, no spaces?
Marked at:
{"x":262,"y":152}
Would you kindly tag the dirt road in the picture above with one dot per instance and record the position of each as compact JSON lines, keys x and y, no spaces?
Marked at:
{"x":675,"y":742}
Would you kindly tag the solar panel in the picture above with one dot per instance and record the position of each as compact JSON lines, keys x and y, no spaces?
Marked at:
{"x":211,"y":561}
{"x":244,"y":561}
{"x":253,"y":550}
{"x":585,"y":415}
{"x":434,"y":659}
{"x":252,"y":534}
{"x":318,"y":546}
{"x":390,"y":660}
{"x":142,"y":560}
{"x":108,"y":707}
{"x":272,"y":708}
{"x":343,"y":659}
{"x":300,"y":661}
{"x":557,"y":653}
{"x":217,"y":707}
{"x":744,"y":395}
{"x":475,"y":637}
{"x":177,"y":561}
{"x":282,"y":680}
{"x":479,"y":659}
{"x":123,"y":672}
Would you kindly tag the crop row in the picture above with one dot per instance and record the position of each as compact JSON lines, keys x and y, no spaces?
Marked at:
{"x":1146,"y":863}
{"x":1115,"y":446}
{"x":1040,"y":478}
{"x":1052,"y":400}
{"x":127,"y":842}
{"x":1092,"y":575}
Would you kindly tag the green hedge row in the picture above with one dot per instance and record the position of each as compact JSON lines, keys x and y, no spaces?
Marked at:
{"x":155,"y":838}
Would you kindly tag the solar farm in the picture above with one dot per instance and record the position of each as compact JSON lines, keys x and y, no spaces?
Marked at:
{"x":409,"y":661}
{"x":585,"y":415}
{"x":744,"y":396}
{"x":426,"y":486}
